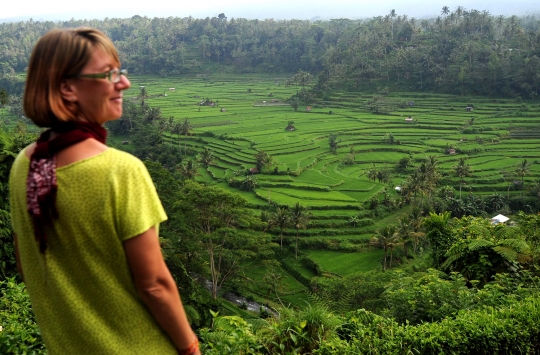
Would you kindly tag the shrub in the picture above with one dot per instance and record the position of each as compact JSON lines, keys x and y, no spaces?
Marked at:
{"x":19,"y":331}
{"x":491,"y":330}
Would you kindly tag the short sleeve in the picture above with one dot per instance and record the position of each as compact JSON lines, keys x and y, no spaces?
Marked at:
{"x":136,"y":202}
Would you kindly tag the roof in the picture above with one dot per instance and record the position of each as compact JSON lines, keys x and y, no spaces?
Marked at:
{"x":500,"y":218}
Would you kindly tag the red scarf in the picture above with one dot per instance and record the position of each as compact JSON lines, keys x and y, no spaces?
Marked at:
{"x":41,"y":182}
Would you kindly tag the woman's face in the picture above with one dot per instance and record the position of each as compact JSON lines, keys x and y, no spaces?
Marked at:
{"x":99,"y":100}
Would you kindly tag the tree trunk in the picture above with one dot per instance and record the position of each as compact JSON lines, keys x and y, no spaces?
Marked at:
{"x":296,"y":248}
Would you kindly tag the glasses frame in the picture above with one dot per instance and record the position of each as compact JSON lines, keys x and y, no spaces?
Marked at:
{"x":107,"y":75}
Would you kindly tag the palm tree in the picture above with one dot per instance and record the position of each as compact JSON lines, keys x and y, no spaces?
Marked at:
{"x":143,"y":94}
{"x":280,"y":218}
{"x":523,"y":169}
{"x":206,"y":157}
{"x":385,"y":239}
{"x":392,"y":15}
{"x":416,"y":222}
{"x":404,"y":230}
{"x":188,"y":170}
{"x":176,"y":128}
{"x":445,"y":11}
{"x":185,"y":129}
{"x":299,"y":219}
{"x":462,"y":170}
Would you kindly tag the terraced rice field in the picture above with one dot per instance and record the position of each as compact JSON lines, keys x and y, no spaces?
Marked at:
{"x":495,"y":137}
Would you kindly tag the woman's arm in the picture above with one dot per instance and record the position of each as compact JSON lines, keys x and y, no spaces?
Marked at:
{"x":157,"y":288}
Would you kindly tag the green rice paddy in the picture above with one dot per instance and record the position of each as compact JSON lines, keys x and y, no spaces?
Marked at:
{"x":251,"y":113}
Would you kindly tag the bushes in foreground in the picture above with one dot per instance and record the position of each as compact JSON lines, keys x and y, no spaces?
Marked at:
{"x":493,"y":323}
{"x":19,"y":333}
{"x":513,"y":329}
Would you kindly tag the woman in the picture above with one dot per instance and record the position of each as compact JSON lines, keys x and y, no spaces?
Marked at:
{"x":86,"y":216}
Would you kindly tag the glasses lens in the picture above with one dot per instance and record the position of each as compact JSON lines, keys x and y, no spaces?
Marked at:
{"x":116,"y":74}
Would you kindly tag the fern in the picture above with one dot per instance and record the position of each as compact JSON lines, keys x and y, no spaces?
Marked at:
{"x":477,"y":244}
{"x":509,"y":254}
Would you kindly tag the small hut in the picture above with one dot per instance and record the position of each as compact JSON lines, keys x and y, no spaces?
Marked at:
{"x":499,"y":219}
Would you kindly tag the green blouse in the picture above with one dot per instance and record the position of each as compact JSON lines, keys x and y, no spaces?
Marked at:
{"x":81,"y":289}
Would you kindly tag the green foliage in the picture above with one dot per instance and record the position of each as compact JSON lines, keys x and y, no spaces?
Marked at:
{"x":301,"y":331}
{"x":228,"y":335}
{"x":10,"y":145}
{"x":439,"y":234}
{"x":333,"y":143}
{"x":19,"y":333}
{"x":482,"y":250}
{"x":219,"y":222}
{"x":489,"y":330}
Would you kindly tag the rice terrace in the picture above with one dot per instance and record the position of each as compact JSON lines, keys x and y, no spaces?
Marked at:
{"x":251,"y":113}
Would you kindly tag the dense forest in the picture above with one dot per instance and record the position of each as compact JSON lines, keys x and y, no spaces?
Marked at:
{"x":449,"y":281}
{"x":461,"y":51}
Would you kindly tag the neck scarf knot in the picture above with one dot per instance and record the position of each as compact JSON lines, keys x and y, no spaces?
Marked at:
{"x":41,"y":183}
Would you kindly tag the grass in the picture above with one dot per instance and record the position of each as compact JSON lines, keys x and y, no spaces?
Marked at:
{"x":347,"y":263}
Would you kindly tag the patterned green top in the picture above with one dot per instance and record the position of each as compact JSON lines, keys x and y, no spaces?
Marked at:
{"x":81,"y":290}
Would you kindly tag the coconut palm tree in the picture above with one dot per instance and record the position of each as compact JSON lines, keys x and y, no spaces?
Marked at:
{"x":416,"y":222}
{"x":462,"y":170}
{"x":523,"y":169}
{"x":445,"y":11}
{"x":188,"y":170}
{"x":206,"y":157}
{"x":385,"y":239}
{"x":404,"y":231}
{"x":185,"y":129}
{"x":392,"y":15}
{"x":300,"y":216}
{"x":280,"y":218}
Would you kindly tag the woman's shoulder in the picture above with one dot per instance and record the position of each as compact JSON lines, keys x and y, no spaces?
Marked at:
{"x":121,"y":162}
{"x":123,"y":157}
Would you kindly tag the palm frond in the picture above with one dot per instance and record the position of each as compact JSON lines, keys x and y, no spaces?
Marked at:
{"x":519,"y":245}
{"x":483,"y":231}
{"x":476,"y":244}
{"x":451,"y":259}
{"x":507,"y":253}
{"x":505,"y":232}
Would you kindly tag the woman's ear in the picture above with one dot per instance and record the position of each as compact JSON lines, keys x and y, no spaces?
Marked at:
{"x":67,"y":91}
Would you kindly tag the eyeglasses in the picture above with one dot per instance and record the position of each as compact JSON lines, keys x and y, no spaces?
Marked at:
{"x":112,"y":75}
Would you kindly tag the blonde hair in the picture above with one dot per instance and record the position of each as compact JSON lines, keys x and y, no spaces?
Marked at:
{"x":58,"y":55}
